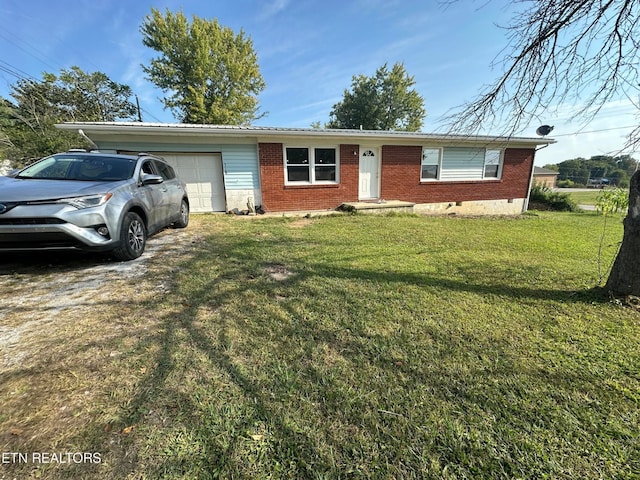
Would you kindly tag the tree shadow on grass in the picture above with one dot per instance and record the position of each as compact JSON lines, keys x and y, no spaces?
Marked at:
{"x":292,"y":448}
{"x":204,"y":332}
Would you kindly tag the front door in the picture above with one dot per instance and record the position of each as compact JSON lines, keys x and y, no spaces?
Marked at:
{"x":369,"y":169}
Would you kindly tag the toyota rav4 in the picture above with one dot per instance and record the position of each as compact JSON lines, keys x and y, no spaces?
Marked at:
{"x":91,"y":201}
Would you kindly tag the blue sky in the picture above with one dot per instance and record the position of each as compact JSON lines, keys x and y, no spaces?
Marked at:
{"x":308,"y":51}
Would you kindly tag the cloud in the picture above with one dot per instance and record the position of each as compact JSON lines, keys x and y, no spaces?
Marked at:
{"x":272,"y":8}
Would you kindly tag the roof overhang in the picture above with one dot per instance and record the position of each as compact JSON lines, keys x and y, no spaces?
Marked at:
{"x":109,"y":130}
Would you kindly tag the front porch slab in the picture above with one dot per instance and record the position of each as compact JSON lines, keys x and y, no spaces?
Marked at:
{"x":382,"y":206}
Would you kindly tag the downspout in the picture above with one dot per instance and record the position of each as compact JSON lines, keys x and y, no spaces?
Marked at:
{"x":83,"y":135}
{"x":525,"y":207}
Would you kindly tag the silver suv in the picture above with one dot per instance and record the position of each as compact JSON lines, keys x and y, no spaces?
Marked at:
{"x":91,"y":201}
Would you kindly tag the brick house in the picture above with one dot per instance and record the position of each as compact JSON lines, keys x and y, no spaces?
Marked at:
{"x":304,"y":169}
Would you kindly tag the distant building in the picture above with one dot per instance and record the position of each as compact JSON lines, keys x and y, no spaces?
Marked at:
{"x":544,"y":177}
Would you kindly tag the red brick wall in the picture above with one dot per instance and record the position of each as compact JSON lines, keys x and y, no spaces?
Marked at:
{"x":400,"y":180}
{"x":278,"y":197}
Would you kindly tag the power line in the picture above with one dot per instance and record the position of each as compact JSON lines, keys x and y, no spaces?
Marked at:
{"x":37,"y":57}
{"x":595,"y":131}
{"x":147,"y":112}
{"x":14,"y":71}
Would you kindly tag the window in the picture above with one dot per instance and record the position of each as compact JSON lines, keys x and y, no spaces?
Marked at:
{"x":492,"y":163}
{"x":325,"y":164}
{"x":147,"y":167}
{"x":311,"y":165}
{"x":452,"y":164}
{"x":430,"y":164}
{"x":165,"y":170}
{"x":297,"y":164}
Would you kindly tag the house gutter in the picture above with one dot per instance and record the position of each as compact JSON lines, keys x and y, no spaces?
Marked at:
{"x":269,"y":133}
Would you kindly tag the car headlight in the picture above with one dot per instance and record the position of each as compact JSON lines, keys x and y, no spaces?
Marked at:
{"x":87,"y":201}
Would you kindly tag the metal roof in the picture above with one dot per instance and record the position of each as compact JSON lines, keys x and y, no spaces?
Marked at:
{"x":261,"y":133}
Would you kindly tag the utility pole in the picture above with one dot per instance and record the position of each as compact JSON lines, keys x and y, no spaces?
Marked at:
{"x":139,"y":113}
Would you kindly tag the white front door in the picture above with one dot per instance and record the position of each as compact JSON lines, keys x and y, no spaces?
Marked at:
{"x":369,"y":167}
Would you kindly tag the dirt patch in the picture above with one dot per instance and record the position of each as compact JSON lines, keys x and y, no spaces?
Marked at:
{"x":76,"y":336}
{"x":47,"y":291}
{"x":301,"y":223}
{"x":278,"y":273}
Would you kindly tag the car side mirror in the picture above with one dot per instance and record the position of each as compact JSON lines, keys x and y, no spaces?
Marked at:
{"x":148,"y":179}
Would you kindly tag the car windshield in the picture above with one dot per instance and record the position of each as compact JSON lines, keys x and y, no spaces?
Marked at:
{"x":81,"y":167}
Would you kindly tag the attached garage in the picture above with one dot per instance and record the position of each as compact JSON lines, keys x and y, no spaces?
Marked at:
{"x":220,"y":170}
{"x":203,"y":174}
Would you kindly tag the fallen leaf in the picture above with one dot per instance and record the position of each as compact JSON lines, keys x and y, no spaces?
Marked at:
{"x":257,"y":438}
{"x":128,"y":430}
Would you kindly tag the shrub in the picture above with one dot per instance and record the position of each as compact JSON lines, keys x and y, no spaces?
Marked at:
{"x":542,"y":198}
{"x":539,"y":193}
{"x":562,"y":202}
{"x":566,"y":183}
{"x":612,"y":200}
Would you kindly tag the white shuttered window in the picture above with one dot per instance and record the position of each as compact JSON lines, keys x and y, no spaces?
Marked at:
{"x":461,"y":164}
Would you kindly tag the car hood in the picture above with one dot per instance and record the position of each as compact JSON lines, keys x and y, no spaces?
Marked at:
{"x":29,"y":190}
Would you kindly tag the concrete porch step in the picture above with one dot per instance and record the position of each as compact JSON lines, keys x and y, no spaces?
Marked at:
{"x":380,"y":206}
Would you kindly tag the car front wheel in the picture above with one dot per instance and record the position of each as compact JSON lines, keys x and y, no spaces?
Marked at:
{"x":133,"y":238}
{"x":184,"y":216}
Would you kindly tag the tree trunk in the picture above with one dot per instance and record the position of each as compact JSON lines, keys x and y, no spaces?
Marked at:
{"x":624,"y":278}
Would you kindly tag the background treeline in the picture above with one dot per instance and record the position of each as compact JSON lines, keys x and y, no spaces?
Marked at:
{"x":597,"y":170}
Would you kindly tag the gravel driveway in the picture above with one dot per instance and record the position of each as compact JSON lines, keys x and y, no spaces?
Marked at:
{"x":46,"y":290}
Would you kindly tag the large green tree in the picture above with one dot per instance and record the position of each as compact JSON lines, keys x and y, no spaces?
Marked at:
{"x":384,"y":101}
{"x":210,"y":74}
{"x":27,"y":120}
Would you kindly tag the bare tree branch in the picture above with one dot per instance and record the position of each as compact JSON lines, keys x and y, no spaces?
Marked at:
{"x":582,"y":53}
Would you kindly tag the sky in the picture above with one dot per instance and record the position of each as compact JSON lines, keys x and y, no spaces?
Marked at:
{"x":308,"y":51}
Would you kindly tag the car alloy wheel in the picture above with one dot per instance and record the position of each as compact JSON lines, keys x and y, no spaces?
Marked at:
{"x":184,"y":212}
{"x":183,"y":221}
{"x":133,"y":238}
{"x":136,"y":236}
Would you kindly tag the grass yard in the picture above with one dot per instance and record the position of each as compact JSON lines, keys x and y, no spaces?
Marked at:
{"x":346,"y":347}
{"x":585,"y":198}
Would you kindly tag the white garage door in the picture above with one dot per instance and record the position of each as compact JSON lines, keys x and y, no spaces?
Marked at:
{"x":204,"y":178}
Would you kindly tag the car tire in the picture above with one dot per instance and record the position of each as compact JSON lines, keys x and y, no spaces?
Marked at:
{"x":133,"y":238}
{"x":184,"y":216}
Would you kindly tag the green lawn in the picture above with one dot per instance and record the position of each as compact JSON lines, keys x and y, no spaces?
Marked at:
{"x":585,"y":198}
{"x":372,"y":347}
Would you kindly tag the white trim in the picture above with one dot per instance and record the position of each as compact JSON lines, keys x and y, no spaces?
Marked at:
{"x":500,"y":163}
{"x":438,"y":164}
{"x":267,"y":134}
{"x":311,"y":165}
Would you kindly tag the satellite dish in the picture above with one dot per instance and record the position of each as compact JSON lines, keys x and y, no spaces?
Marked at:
{"x":544,"y":130}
